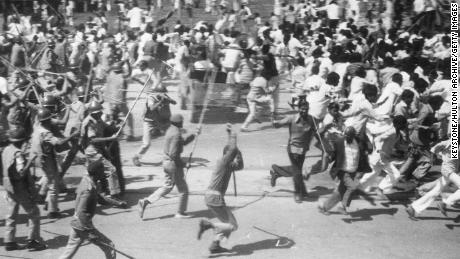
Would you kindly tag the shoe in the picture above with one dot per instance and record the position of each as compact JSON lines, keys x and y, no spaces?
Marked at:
{"x":34,"y":245}
{"x":323,"y":210}
{"x":142,"y":205}
{"x":54,"y":215}
{"x":442,"y":207}
{"x":273,"y":178}
{"x":114,"y":201}
{"x":298,"y":198}
{"x":136,"y":161}
{"x":244,"y":130}
{"x":257,"y":121}
{"x":217,"y":249}
{"x":12,"y":246}
{"x":204,"y":225}
{"x":182,"y":216}
{"x":342,"y":210}
{"x":411,"y":212}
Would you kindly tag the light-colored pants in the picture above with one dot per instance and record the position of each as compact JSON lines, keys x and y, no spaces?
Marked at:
{"x":426,"y":200}
{"x":377,"y":165}
{"x":227,"y":222}
{"x":21,"y":197}
{"x":174,"y":175}
{"x":49,"y":185}
{"x":77,"y":237}
{"x":149,"y":128}
{"x":252,"y":107}
{"x":111,"y":178}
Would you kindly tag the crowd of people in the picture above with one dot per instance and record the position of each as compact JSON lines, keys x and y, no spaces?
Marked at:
{"x":369,"y":88}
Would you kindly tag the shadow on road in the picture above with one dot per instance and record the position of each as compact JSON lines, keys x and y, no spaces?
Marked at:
{"x":248,"y":249}
{"x":452,"y":226}
{"x":367,"y":214}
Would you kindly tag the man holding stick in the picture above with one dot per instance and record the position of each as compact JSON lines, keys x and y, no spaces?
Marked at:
{"x":20,"y":190}
{"x":85,"y":208}
{"x":93,"y":142}
{"x":231,"y":161}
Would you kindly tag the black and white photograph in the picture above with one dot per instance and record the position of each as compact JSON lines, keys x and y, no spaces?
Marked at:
{"x":254,"y":129}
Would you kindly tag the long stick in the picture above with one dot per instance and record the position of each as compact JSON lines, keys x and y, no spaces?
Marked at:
{"x":23,"y":73}
{"x":132,"y":106}
{"x":88,"y":84}
{"x":266,"y":232}
{"x":113,"y":248}
{"x":235,"y":193}
{"x":39,"y":54}
{"x":200,"y":122}
{"x":44,"y":72}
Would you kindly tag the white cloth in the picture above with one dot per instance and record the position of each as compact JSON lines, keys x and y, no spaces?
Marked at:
{"x":351,"y":160}
{"x":135,"y":17}
{"x":319,"y":100}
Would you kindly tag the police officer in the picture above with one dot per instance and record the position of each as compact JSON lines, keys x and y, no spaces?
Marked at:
{"x":20,"y":190}
{"x":156,"y":119}
{"x":45,"y":139}
{"x":115,"y":96}
{"x":77,"y":113}
{"x":173,"y":167}
{"x":94,"y":144}
{"x":48,"y":59}
{"x":85,"y":208}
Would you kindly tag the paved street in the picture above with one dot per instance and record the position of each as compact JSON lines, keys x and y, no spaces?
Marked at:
{"x":381,"y":231}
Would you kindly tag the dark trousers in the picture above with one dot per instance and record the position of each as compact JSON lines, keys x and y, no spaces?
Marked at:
{"x":349,"y":182}
{"x":294,"y":171}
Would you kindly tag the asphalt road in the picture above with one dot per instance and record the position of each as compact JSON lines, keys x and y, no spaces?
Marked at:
{"x":369,"y":232}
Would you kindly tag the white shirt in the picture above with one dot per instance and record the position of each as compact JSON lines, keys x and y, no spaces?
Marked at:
{"x":390,"y":92}
{"x":313,"y":83}
{"x":135,"y":17}
{"x":359,"y":112}
{"x":356,"y":87}
{"x":232,"y":55}
{"x":319,"y":101}
{"x":332,"y":10}
{"x":3,"y":85}
{"x":351,"y":157}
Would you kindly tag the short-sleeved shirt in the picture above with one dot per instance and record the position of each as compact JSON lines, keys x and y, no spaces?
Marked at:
{"x":92,"y":128}
{"x":358,"y":114}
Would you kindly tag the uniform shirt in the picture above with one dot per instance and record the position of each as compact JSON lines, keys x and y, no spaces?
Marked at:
{"x":160,"y":113}
{"x":92,"y":128}
{"x":76,"y":117}
{"x":85,"y":204}
{"x":18,"y":57}
{"x":174,"y":143}
{"x":43,"y":143}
